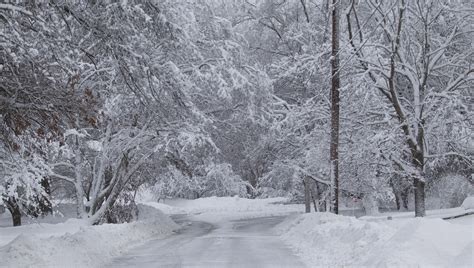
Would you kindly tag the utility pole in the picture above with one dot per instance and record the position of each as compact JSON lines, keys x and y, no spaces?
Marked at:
{"x":335,"y":85}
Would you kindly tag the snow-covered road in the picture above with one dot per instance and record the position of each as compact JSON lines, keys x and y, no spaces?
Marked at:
{"x":238,"y":243}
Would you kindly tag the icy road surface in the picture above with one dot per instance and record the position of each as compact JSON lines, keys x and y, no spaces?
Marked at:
{"x":241,"y":243}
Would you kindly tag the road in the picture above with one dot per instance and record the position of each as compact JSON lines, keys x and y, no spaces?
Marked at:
{"x":242,"y":243}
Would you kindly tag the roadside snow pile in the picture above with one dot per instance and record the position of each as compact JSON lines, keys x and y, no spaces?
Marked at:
{"x":324,"y":239}
{"x":430,"y":214}
{"x":216,"y":209}
{"x":224,"y":204}
{"x":466,"y":208}
{"x":167,"y":209}
{"x":425,"y":242}
{"x":90,"y":246}
{"x":41,"y":230}
{"x":236,"y":204}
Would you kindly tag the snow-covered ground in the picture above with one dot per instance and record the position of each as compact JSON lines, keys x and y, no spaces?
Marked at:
{"x":61,"y":242}
{"x":221,"y":209}
{"x":75,"y":243}
{"x":217,"y":231}
{"x":324,"y":239}
{"x":430,"y":214}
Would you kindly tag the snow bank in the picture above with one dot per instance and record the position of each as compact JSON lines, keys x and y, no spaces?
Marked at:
{"x":466,"y":220}
{"x":324,"y":239}
{"x":424,"y":242}
{"x":218,"y":209}
{"x":224,"y":204}
{"x":430,"y":214}
{"x":90,"y":246}
{"x":165,"y":208}
{"x":235,"y":203}
{"x":42,"y":230}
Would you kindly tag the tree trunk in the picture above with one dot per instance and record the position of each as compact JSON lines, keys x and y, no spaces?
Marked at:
{"x":307,"y":195}
{"x":418,"y":182}
{"x":314,"y":191}
{"x":335,"y":85}
{"x":404,"y":197}
{"x":80,"y":210}
{"x":45,"y":205}
{"x":395,"y":193}
{"x":14,"y":209}
{"x":16,"y":216}
{"x":397,"y":201}
{"x":419,"y":198}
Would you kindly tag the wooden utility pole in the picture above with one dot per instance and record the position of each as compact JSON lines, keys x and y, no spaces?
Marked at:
{"x":335,"y":85}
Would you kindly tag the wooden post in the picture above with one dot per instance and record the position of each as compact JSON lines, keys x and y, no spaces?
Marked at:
{"x":335,"y":85}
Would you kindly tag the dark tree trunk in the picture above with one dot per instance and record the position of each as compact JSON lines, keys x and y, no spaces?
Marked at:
{"x":419,"y":198}
{"x":307,"y":195}
{"x":335,"y":85}
{"x":397,"y":201}
{"x":419,"y":185}
{"x":14,"y":209}
{"x":315,"y":196}
{"x":418,"y":182}
{"x":16,"y":216}
{"x":45,"y":205}
{"x":395,"y":193}
{"x":404,"y":198}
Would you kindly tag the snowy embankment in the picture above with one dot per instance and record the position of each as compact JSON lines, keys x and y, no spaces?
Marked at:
{"x":76,"y":243}
{"x":324,"y":239}
{"x":219,"y":209}
{"x":467,"y":208}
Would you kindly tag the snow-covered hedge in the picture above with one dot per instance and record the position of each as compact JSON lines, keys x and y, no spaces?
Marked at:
{"x":91,"y":246}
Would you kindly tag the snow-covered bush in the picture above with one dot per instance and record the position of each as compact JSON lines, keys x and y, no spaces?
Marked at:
{"x":124,"y":209}
{"x":174,"y":183}
{"x":468,"y":203}
{"x":212,"y":180}
{"x":220,"y":180}
{"x":448,"y":191}
{"x":282,"y":181}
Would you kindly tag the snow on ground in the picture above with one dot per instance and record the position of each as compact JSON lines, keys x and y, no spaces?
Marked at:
{"x":220,"y":209}
{"x":436,"y":213}
{"x":468,"y":220}
{"x":320,"y":239}
{"x":324,"y":239}
{"x":63,"y":212}
{"x":76,"y":243}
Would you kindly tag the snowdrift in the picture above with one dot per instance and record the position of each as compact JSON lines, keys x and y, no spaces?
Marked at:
{"x":324,"y":239}
{"x":216,"y":209}
{"x":91,"y":246}
{"x":219,"y":204}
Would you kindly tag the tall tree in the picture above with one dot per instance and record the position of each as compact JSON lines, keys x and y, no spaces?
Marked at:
{"x":421,"y":63}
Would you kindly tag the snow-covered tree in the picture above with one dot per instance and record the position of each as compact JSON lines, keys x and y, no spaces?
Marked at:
{"x":24,"y":186}
{"x":420,"y":61}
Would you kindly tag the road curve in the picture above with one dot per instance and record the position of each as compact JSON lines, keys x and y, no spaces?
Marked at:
{"x":242,"y":243}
